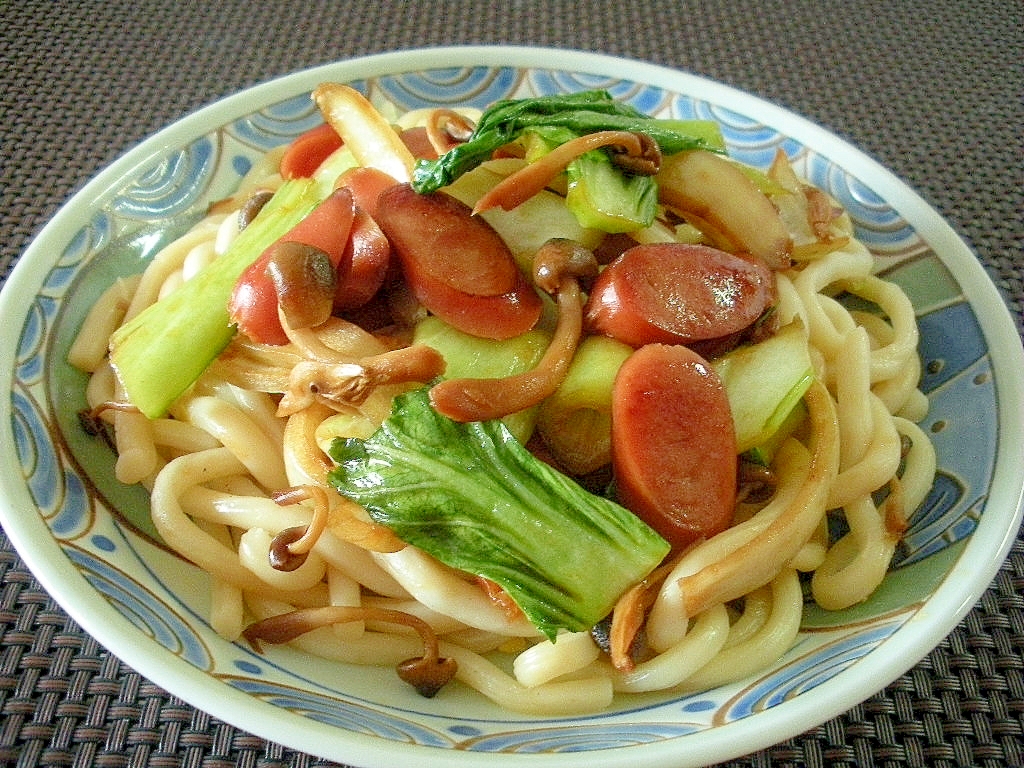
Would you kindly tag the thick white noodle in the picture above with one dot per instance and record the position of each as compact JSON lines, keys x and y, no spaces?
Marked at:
{"x":671,"y":667}
{"x":856,"y":564}
{"x":853,"y":261}
{"x":261,"y":456}
{"x":876,"y":467}
{"x":254,"y":554}
{"x":343,"y":590}
{"x":180,"y":532}
{"x":446,"y":592}
{"x":667,"y":621}
{"x":547,"y":660}
{"x":227,"y":606}
{"x":919,"y":464}
{"x":764,"y":647}
{"x":168,"y":261}
{"x":249,"y":511}
{"x":852,"y":388}
{"x":89,"y":349}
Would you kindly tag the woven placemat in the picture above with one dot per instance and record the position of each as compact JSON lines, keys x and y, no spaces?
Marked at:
{"x":933,"y":90}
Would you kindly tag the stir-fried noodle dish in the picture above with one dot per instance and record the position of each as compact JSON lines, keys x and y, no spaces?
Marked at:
{"x":554,"y":399}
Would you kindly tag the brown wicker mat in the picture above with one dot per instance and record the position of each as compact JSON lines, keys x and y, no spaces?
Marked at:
{"x":933,"y":89}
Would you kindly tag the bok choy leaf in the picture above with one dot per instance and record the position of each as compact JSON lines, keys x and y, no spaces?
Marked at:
{"x":160,"y":352}
{"x":474,"y":498}
{"x":575,"y":114}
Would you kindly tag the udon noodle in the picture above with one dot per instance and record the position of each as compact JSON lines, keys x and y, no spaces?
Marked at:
{"x":227,"y":475}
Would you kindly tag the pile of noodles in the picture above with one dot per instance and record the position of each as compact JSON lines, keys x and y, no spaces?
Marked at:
{"x":235,"y":488}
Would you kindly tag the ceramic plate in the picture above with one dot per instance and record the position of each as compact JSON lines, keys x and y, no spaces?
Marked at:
{"x":89,"y":542}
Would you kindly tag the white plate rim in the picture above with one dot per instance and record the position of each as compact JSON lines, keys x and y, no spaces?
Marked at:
{"x":913,"y":641}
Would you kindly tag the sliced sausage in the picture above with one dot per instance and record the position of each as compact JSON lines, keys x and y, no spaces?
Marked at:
{"x":673,"y":443}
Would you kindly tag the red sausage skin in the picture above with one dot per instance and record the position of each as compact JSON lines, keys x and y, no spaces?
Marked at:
{"x":441,"y":237}
{"x":366,"y":185}
{"x":253,"y":302}
{"x":368,"y":254}
{"x":306,"y":153}
{"x":456,"y":265}
{"x":675,"y":293}
{"x":673,"y":444}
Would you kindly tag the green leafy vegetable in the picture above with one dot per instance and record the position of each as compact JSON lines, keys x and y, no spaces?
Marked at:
{"x":603,"y":197}
{"x":160,"y":352}
{"x":477,"y":500}
{"x":577,"y":113}
{"x":467,"y":355}
{"x":765,"y":382}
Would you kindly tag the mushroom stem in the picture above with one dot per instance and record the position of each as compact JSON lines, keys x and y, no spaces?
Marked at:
{"x":558,"y":265}
{"x":344,"y":385}
{"x":532,"y":178}
{"x":756,"y":562}
{"x":629,"y":614}
{"x":112,"y":405}
{"x":428,"y":673}
{"x":446,"y":129}
{"x":285,"y":627}
{"x":288,"y":549}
